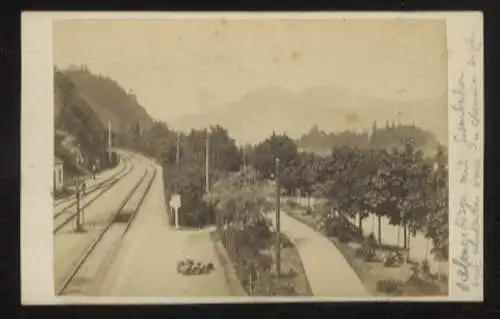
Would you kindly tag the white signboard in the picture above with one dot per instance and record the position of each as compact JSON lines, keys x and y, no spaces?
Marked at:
{"x":175,"y":202}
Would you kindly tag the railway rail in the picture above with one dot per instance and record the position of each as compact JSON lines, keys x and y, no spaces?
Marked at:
{"x":101,"y":248}
{"x":72,"y":200}
{"x":67,"y":214}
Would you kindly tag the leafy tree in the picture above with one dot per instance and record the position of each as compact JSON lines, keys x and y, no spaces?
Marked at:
{"x":264,"y":155}
{"x":377,"y":188}
{"x":240,"y":198}
{"x":224,"y":153}
{"x":187,"y":177}
{"x":300,"y":174}
{"x":364,"y":167}
{"x":136,"y":133}
{"x":338,"y":188}
{"x":437,"y":222}
{"x":409,"y":180}
{"x":157,"y":139}
{"x":189,"y":182}
{"x":78,"y":119}
{"x":241,"y":203}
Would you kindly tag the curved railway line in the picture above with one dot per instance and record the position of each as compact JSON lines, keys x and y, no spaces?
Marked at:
{"x":101,"y":248}
{"x":72,"y":199}
{"x":69,"y":212}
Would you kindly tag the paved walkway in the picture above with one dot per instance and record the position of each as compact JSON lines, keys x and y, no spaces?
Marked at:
{"x":146,"y":264}
{"x":328,"y":272}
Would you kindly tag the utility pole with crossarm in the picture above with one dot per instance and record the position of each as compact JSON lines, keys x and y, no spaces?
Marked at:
{"x":278,"y":226}
{"x":78,"y":219}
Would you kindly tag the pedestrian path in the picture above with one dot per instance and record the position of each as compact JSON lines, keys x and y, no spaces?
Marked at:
{"x":327,"y":271}
{"x":146,"y":263}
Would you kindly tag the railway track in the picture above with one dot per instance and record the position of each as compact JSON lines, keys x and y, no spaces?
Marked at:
{"x":66,"y":215}
{"x":83,"y":274}
{"x":69,"y":202}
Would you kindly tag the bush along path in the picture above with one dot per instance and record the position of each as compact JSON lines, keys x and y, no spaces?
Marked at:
{"x":248,"y":241}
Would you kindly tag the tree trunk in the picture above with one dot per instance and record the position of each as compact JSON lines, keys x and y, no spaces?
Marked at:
{"x":427,"y":249}
{"x":360,"y":224}
{"x":373,"y":223}
{"x":399,"y":234}
{"x":408,"y":254}
{"x":340,"y":227}
{"x":405,"y":234}
{"x":308,"y":203}
{"x":380,"y":230}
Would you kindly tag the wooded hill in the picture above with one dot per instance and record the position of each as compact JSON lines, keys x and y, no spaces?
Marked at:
{"x":108,"y":99}
{"x":83,"y":104}
{"x":387,"y":137}
{"x":75,"y":123}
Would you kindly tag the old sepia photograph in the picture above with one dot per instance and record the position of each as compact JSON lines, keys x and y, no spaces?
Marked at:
{"x":267,"y":158}
{"x":239,"y":157}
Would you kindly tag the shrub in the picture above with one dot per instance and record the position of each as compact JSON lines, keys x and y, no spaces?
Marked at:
{"x":394,"y":259}
{"x":416,"y":283}
{"x":371,"y":241}
{"x":260,"y":228}
{"x":327,"y":224}
{"x":426,"y":268}
{"x":390,"y":286}
{"x":367,"y":249}
{"x":344,"y":237}
{"x":291,"y":203}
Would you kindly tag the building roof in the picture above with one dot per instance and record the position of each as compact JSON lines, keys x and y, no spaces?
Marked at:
{"x":57,"y":160}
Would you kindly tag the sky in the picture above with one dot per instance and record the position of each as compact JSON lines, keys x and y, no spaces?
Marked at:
{"x":179,"y":67}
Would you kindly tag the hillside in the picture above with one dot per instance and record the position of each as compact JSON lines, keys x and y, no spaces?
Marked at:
{"x":83,"y":105}
{"x":75,"y":123}
{"x":259,"y":112}
{"x":108,"y":100}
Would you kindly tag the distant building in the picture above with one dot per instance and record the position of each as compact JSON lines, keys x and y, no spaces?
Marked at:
{"x":58,"y":174}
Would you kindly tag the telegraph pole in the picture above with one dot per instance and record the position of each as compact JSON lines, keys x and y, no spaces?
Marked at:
{"x":207,"y":163}
{"x":278,"y":231}
{"x":177,"y":154}
{"x":78,"y":226}
{"x":109,"y":142}
{"x":244,"y":158}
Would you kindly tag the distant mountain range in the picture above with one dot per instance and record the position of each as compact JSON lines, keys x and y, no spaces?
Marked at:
{"x":261,"y":111}
{"x":85,"y":102}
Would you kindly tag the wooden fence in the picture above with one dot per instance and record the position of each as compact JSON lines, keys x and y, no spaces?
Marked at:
{"x":252,"y":267}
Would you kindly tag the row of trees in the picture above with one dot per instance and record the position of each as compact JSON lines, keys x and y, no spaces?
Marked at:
{"x":183,"y":157}
{"x":403,"y":185}
{"x":384,"y":137}
{"x":170,"y":146}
